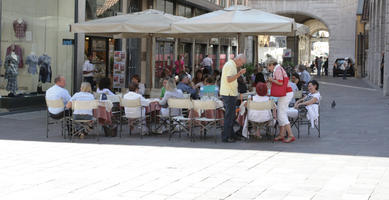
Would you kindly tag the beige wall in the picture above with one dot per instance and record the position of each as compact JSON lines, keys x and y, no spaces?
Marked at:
{"x":48,"y":22}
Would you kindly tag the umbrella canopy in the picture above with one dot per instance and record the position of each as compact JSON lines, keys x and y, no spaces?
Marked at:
{"x":233,"y":20}
{"x":134,"y":24}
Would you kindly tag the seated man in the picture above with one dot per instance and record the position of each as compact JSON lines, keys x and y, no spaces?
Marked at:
{"x":183,"y":85}
{"x":56,"y":92}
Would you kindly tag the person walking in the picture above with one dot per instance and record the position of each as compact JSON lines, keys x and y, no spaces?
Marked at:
{"x":207,"y":64}
{"x":319,"y":64}
{"x":229,"y":93}
{"x":325,"y":66}
{"x":88,"y":71}
{"x":278,"y":79}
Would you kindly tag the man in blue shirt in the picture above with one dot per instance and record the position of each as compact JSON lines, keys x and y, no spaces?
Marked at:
{"x":184,"y":86}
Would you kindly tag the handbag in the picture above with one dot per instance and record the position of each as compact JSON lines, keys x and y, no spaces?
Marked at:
{"x":280,"y":90}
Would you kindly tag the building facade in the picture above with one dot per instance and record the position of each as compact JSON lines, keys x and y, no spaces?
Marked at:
{"x":375,"y":14}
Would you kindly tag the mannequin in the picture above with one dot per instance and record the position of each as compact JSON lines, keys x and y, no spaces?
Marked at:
{"x":32,"y":62}
{"x":11,"y":64}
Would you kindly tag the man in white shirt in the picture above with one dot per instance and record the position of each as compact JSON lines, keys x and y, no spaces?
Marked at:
{"x":56,"y":92}
{"x":207,"y":64}
{"x":88,"y":70}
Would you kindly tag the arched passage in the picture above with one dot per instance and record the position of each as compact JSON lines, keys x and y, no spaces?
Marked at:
{"x":316,"y":43}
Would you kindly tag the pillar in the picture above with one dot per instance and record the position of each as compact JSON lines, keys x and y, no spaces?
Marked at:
{"x":217,"y":66}
{"x":80,"y":47}
{"x":193,"y":56}
{"x":229,"y":49}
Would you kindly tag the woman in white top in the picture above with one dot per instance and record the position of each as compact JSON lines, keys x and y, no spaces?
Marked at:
{"x":141,"y":86}
{"x":260,"y":116}
{"x":311,"y":102}
{"x":133,"y":94}
{"x":171,"y":92}
{"x":104,"y":87}
{"x":84,"y":95}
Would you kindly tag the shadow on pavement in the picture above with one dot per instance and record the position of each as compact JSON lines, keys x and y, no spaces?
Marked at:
{"x":357,"y":126}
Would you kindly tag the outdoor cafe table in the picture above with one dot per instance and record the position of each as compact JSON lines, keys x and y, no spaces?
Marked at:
{"x":103,"y":113}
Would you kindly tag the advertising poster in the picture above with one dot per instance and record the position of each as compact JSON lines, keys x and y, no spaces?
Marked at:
{"x":119,"y":69}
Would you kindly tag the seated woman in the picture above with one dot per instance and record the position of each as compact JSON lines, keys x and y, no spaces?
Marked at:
{"x":104,"y":88}
{"x":133,"y":94}
{"x":261,"y":116}
{"x":141,"y":86}
{"x":209,"y":89}
{"x":311,"y":102}
{"x":296,"y":80}
{"x":85,"y":94}
{"x":171,"y":92}
{"x":198,"y":79}
{"x":163,"y":89}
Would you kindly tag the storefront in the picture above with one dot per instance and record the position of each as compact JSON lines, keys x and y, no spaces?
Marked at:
{"x":35,"y":36}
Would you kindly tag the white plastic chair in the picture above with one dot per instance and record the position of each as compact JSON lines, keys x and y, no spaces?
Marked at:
{"x":181,"y":121}
{"x":49,"y":120}
{"x":132,"y":104}
{"x":84,"y":105}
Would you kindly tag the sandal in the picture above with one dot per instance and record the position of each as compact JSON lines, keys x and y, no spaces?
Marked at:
{"x":279,"y":138}
{"x":289,"y":139}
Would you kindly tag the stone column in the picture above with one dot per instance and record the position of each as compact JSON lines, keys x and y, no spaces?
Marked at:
{"x":217,"y":66}
{"x":80,"y":39}
{"x":193,"y":55}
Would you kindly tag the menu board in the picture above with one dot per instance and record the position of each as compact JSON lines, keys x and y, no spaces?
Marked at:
{"x":119,"y":69}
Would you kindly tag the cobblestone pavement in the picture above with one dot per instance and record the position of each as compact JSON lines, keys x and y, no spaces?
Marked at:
{"x":350,"y":160}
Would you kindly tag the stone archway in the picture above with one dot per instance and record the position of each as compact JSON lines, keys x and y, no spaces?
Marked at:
{"x":337,"y":15}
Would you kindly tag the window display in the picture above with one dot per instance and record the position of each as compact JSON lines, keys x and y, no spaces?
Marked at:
{"x":33,"y":31}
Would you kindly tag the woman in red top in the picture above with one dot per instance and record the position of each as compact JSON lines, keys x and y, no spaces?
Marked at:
{"x":179,"y":64}
{"x":283,"y":102}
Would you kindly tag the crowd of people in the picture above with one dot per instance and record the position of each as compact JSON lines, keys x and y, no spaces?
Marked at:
{"x":207,"y":83}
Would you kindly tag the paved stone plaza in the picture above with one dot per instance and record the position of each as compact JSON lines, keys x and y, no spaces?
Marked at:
{"x":350,"y":160}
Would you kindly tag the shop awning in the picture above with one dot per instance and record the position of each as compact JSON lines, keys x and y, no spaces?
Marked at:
{"x":139,"y":24}
{"x":235,"y":20}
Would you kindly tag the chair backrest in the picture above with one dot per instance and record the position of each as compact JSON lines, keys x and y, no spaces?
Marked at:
{"x":267,"y":105}
{"x":85,"y":105}
{"x":186,"y":96}
{"x":133,"y":103}
{"x":155,"y":93}
{"x":204,"y":105}
{"x":298,"y":94}
{"x":55,"y":103}
{"x":113,"y":98}
{"x":96,"y":95}
{"x":180,"y":103}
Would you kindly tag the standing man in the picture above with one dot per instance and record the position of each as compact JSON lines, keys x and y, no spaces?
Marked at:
{"x":207,"y":64}
{"x":229,"y":93}
{"x":325,"y":66}
{"x":319,"y":64}
{"x":88,"y":70}
{"x":382,"y":70}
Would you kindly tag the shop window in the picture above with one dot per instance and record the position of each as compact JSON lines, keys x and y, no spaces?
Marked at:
{"x":37,"y":28}
{"x":134,"y":6}
{"x":184,"y":11}
{"x":102,"y":8}
{"x":165,"y":6}
{"x":222,"y":3}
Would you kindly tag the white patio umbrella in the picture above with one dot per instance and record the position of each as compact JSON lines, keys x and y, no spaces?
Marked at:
{"x":139,"y":24}
{"x":149,"y":23}
{"x":233,"y":21}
